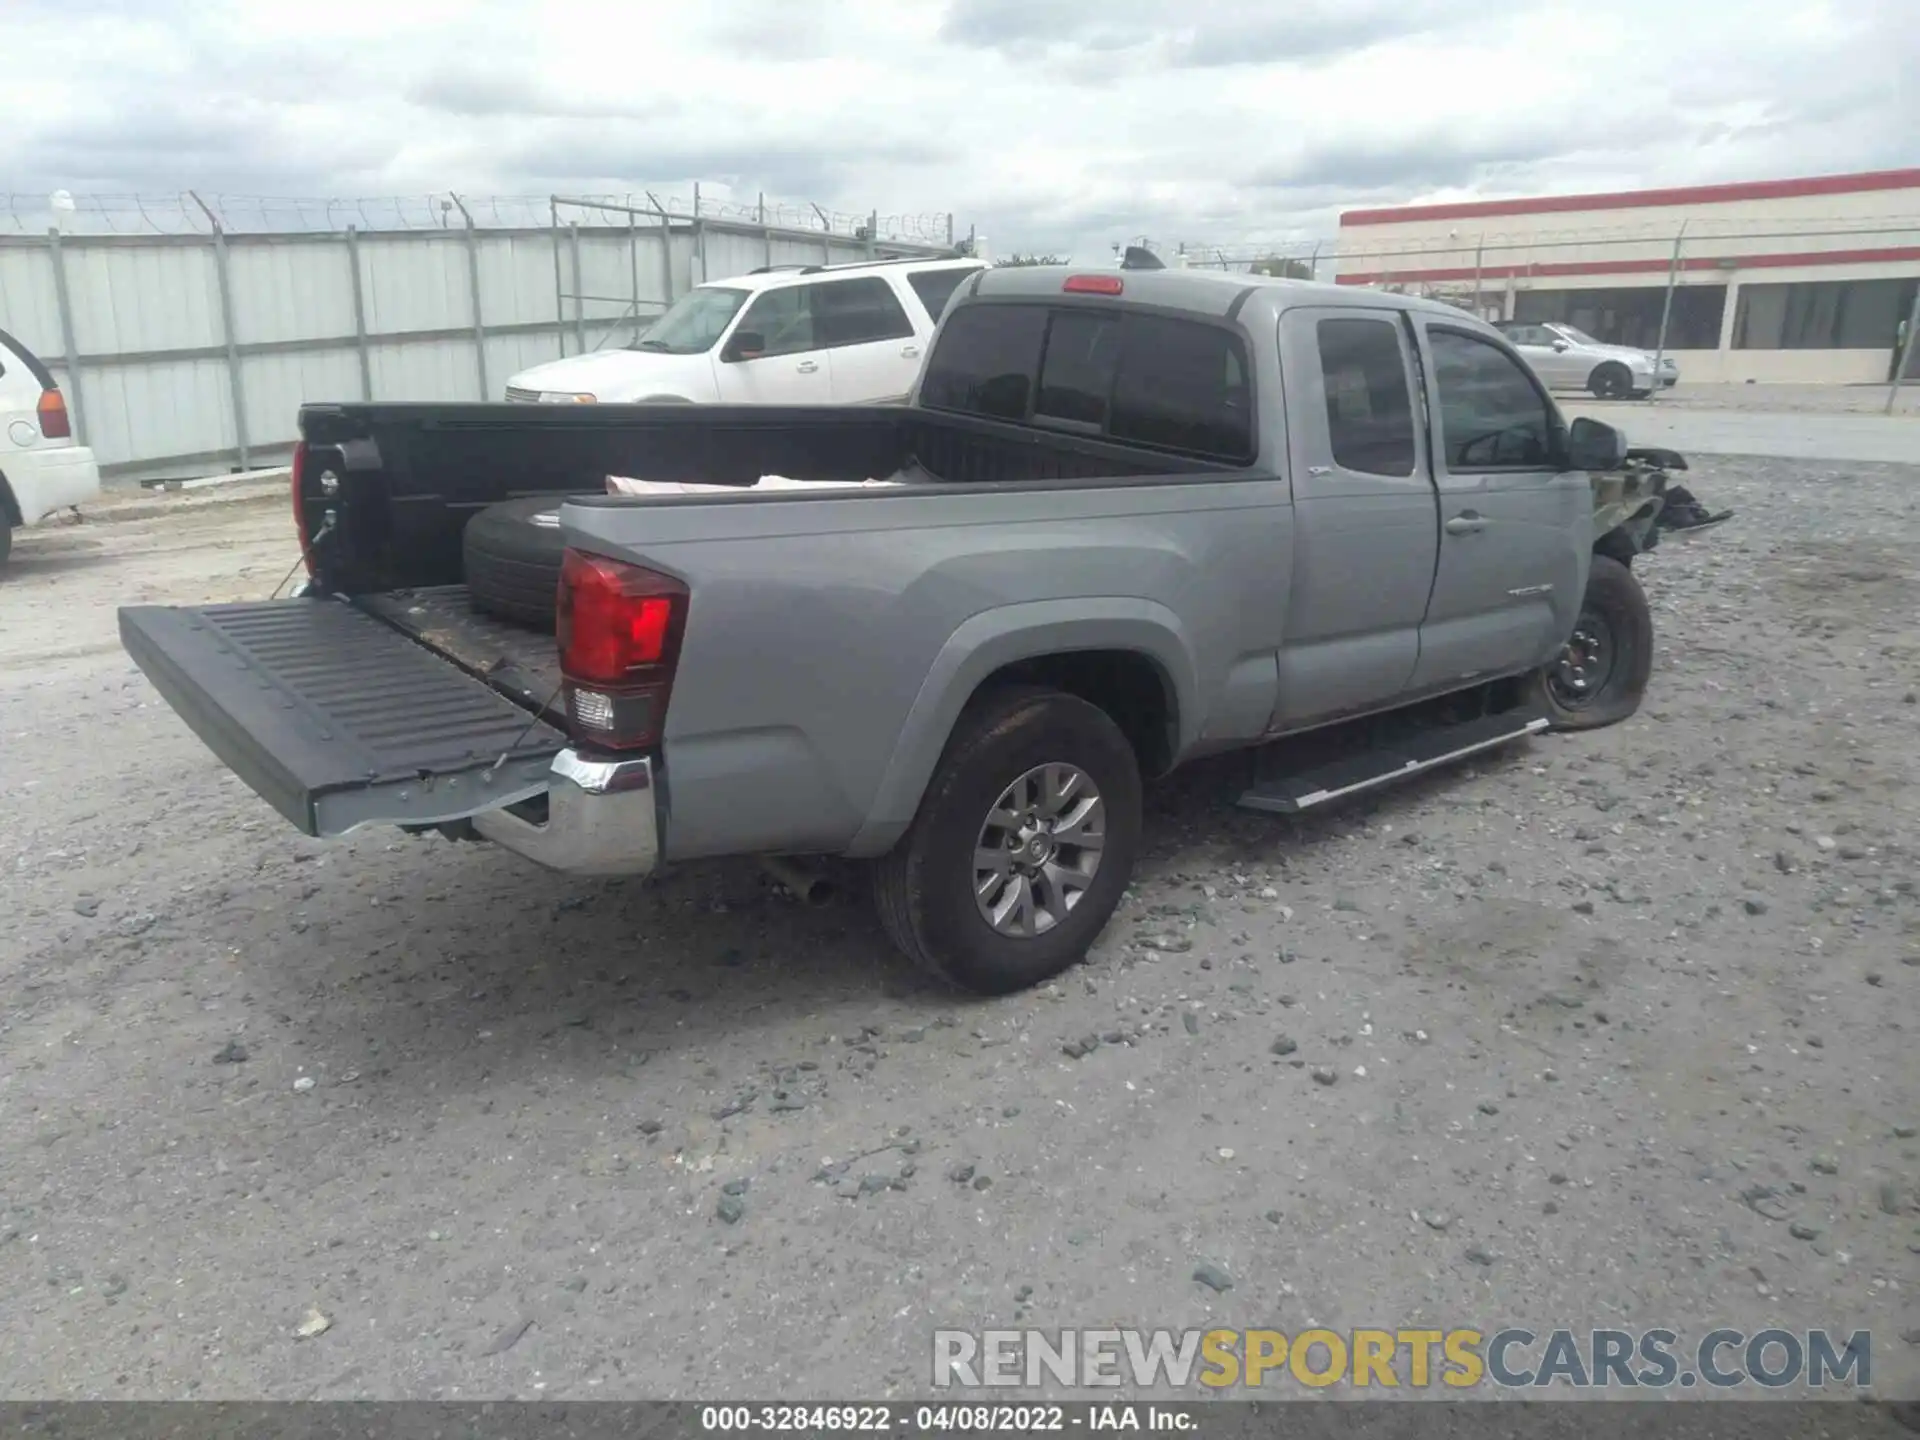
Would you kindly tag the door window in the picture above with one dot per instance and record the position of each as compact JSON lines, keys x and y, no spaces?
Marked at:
{"x":857,"y":312}
{"x":1492,"y":415}
{"x":782,"y":318}
{"x":1369,"y":407}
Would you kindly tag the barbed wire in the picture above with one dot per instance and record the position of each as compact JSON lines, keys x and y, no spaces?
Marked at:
{"x":198,"y":212}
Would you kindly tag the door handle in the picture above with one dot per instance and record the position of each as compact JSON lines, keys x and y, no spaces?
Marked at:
{"x":1466,"y":523}
{"x":909,"y":352}
{"x":807,"y":367}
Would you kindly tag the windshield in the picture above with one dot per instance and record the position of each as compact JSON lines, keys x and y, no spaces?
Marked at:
{"x":694,"y":323}
{"x":1579,"y":337}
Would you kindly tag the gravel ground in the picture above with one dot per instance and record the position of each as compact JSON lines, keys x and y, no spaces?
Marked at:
{"x":1602,"y":1019}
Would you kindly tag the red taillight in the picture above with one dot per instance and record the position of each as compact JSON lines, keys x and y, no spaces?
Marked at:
{"x":1093,"y":285}
{"x":52,"y":409}
{"x":299,"y":505}
{"x":619,"y":628}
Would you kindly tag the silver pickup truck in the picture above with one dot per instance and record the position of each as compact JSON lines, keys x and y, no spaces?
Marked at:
{"x":1138,"y":517}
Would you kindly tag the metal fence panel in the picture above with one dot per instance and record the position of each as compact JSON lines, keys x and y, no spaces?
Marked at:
{"x":157,"y":407}
{"x":143,"y":298}
{"x":276,"y":385}
{"x":196,"y":350}
{"x":29,"y":307}
{"x":415,"y":281}
{"x":289,"y":289}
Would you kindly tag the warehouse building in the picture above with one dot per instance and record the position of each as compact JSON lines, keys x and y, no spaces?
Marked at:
{"x":1795,"y":281}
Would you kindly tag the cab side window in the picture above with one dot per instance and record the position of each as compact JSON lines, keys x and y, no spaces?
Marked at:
{"x":1369,"y":406}
{"x":1492,"y":415}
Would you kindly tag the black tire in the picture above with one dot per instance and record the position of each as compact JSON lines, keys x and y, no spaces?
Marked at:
{"x":1610,"y":381}
{"x":512,"y":561}
{"x":1615,"y":613}
{"x":924,"y":888}
{"x":6,"y":536}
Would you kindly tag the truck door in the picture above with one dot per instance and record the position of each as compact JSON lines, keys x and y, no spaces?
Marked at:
{"x":1363,"y":514}
{"x":1514,"y":523}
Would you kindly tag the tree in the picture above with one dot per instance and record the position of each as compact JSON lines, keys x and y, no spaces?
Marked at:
{"x":1035,"y":259}
{"x":1283,"y":267}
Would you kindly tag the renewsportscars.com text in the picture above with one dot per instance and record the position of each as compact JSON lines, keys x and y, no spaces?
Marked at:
{"x":1456,"y":1359}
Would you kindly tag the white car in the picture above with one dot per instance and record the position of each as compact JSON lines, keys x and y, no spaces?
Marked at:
{"x":41,"y":470}
{"x":1567,"y":358}
{"x":785,"y":335}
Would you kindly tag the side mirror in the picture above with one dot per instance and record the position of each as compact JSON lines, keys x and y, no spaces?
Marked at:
{"x":1561,"y":346}
{"x":1595,"y":445}
{"x":746,"y":345}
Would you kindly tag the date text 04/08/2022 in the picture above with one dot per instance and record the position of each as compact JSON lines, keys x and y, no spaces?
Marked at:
{"x":934,"y":1419}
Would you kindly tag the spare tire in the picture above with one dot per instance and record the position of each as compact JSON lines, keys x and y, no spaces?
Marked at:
{"x":512,"y":559}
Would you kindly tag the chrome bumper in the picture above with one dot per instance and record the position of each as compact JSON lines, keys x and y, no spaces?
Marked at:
{"x":602,"y":819}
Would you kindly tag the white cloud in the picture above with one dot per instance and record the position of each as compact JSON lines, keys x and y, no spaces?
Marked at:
{"x":1049,"y":123}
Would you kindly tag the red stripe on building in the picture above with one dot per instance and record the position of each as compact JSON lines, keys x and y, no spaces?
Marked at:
{"x":1637,"y":267}
{"x":1644,"y":199}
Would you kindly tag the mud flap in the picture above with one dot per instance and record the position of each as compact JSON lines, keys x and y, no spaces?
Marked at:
{"x":335,"y":719}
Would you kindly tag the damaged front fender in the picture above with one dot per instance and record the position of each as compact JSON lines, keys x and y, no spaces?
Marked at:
{"x":1627,"y":501}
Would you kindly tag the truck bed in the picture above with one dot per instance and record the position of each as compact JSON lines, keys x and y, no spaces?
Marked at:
{"x":405,"y":479}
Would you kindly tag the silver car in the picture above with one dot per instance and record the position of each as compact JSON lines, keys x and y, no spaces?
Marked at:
{"x":1567,"y":358}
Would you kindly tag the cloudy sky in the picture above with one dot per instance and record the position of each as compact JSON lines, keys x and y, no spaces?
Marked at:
{"x":1055,"y":124}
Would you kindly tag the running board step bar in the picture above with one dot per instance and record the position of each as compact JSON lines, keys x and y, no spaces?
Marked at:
{"x":1290,"y":794}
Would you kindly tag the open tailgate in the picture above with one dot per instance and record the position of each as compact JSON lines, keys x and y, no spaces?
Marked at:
{"x":335,"y":719}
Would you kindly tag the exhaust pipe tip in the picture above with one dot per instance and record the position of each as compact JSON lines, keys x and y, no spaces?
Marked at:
{"x":807,"y":886}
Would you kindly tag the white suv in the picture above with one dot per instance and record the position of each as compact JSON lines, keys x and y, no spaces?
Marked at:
{"x":41,"y":469}
{"x":784,"y":335}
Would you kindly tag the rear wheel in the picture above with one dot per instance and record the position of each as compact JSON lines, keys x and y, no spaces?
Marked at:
{"x":1022,"y":847}
{"x":1611,"y":381}
{"x":6,"y":535}
{"x":1601,"y":673}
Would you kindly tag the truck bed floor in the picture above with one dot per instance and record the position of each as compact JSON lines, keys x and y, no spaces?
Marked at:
{"x":520,"y":663}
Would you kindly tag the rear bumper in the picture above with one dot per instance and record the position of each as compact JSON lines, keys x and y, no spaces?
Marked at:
{"x":602,"y":818}
{"x":47,"y":480}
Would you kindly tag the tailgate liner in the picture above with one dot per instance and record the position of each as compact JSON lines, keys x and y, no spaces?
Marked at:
{"x":335,"y":719}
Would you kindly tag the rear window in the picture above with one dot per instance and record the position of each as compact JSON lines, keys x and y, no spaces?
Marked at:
{"x":1152,"y":380}
{"x":986,"y":362}
{"x":936,"y":287}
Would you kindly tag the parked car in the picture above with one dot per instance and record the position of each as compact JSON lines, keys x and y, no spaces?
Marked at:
{"x":784,"y":335}
{"x":1118,"y":541}
{"x":41,"y":470}
{"x":1570,"y":359}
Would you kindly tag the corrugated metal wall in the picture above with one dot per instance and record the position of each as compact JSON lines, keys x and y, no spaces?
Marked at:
{"x":166,"y":355}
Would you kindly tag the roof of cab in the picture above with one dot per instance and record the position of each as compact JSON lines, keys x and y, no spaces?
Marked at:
{"x":1204,"y":292}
